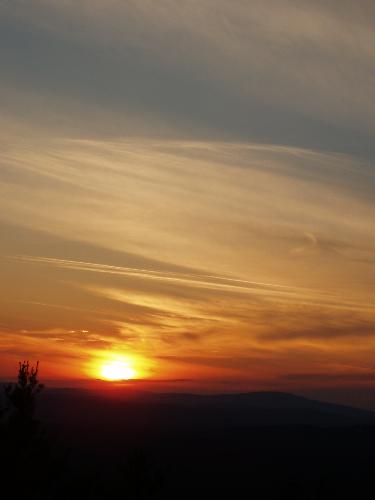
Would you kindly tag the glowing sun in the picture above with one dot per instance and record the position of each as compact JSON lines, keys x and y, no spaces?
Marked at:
{"x":117,"y":370}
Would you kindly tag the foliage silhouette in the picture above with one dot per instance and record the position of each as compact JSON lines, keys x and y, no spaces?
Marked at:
{"x":34,"y":464}
{"x":30,"y":462}
{"x":22,"y":395}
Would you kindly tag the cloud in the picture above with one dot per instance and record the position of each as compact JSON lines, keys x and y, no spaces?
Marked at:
{"x":329,"y":378}
{"x":176,"y":200}
{"x":282,"y":72}
{"x":256,"y":249}
{"x":189,"y":182}
{"x":191,"y":279}
{"x":326,"y":328}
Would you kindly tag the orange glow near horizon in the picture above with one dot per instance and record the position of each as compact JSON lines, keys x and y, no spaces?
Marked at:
{"x":116,"y":367}
{"x":164,"y":236}
{"x":117,"y":370}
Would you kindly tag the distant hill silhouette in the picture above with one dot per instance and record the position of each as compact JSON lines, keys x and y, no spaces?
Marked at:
{"x":265,"y":445}
{"x":187,"y":410}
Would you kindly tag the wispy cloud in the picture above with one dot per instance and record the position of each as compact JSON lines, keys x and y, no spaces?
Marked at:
{"x":204,"y":281}
{"x":135,"y":67}
{"x":265,"y":291}
{"x":189,"y":182}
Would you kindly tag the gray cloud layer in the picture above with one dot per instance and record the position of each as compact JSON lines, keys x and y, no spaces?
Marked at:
{"x":296,"y":73}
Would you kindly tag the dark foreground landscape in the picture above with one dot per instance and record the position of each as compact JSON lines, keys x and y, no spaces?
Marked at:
{"x":135,"y":445}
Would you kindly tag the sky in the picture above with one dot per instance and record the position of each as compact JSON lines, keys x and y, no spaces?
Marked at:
{"x":187,"y":187}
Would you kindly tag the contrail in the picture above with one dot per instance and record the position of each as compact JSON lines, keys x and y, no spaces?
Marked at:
{"x":193,"y":279}
{"x":300,"y":294}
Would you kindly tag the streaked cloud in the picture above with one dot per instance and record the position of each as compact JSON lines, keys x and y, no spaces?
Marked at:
{"x":278,"y":72}
{"x":191,"y":184}
{"x":156,"y":195}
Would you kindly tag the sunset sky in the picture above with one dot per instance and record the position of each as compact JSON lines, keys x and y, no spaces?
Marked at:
{"x":188,"y":188}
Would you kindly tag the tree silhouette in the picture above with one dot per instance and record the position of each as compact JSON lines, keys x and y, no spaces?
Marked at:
{"x":21,"y":395}
{"x":31,"y":463}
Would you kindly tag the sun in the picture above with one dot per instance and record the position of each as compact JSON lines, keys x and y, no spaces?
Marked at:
{"x":117,"y":370}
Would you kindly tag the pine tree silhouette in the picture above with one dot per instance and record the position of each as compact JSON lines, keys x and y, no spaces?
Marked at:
{"x":21,"y":395}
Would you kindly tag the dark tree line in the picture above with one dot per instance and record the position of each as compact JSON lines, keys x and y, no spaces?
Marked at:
{"x":35,"y":465}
